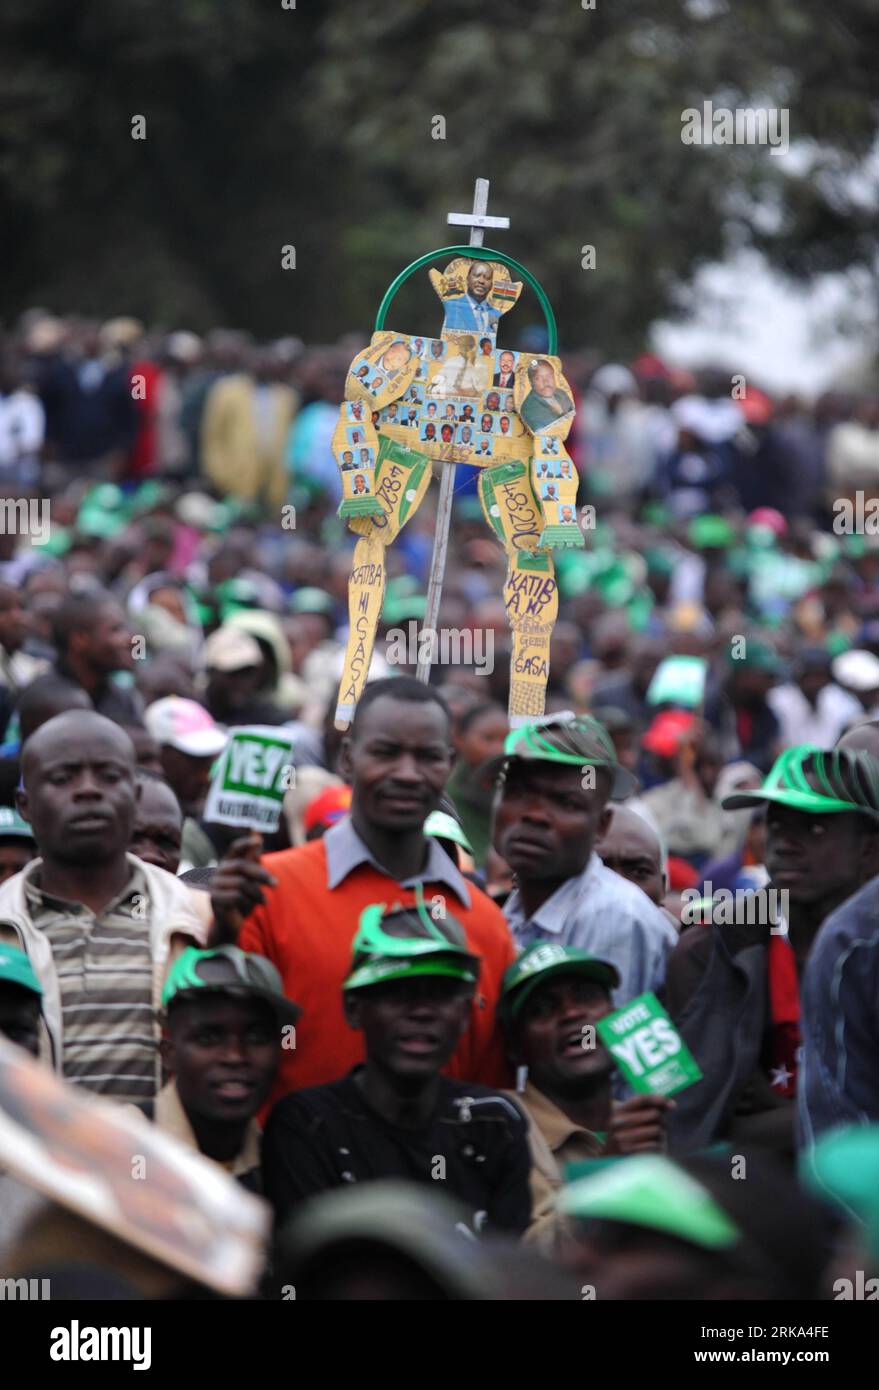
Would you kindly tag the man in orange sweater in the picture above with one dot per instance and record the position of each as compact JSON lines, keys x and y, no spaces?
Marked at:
{"x":302,"y":905}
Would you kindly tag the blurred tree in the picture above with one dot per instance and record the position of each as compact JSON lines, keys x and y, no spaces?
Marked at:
{"x":268,"y":126}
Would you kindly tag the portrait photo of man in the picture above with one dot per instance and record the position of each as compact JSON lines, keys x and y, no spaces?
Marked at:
{"x":545,"y":403}
{"x":472,"y":310}
{"x":505,"y":375}
{"x":396,"y":358}
{"x":347,"y":461}
{"x":361,"y":485}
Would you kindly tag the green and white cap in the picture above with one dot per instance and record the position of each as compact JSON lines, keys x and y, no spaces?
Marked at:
{"x":227,"y":970}
{"x":652,"y":1191}
{"x":818,"y":781}
{"x":540,"y":963}
{"x":569,"y":740}
{"x":424,"y":948}
{"x":13,"y":826}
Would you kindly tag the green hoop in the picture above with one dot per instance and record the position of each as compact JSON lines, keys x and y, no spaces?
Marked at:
{"x":479,"y":253}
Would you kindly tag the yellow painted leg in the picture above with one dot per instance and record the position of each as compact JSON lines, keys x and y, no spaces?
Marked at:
{"x":530,"y":592}
{"x":402,"y":478}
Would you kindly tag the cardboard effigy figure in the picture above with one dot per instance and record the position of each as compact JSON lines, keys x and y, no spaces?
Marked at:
{"x":412,"y":401}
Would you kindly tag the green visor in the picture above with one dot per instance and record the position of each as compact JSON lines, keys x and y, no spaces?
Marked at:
{"x":227,"y":970}
{"x":379,"y":957}
{"x":442,"y":826}
{"x":540,"y":963}
{"x":566,"y":739}
{"x":818,"y":781}
{"x":650,"y":1190}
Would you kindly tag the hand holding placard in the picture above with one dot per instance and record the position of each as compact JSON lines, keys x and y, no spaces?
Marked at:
{"x":647,"y":1048}
{"x":236,"y":887}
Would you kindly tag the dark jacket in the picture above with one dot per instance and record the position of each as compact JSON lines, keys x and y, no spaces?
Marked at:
{"x":718,"y":995}
{"x":475,"y":1148}
{"x":84,"y":424}
{"x":839,"y":1075}
{"x":752,"y":733}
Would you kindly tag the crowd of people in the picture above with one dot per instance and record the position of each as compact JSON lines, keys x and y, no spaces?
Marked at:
{"x":382,"y":1017}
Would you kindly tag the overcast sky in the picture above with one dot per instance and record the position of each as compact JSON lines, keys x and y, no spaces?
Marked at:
{"x":786,"y":338}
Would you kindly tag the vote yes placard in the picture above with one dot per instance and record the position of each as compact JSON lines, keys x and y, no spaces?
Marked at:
{"x":647,"y":1047}
{"x":251,"y":777}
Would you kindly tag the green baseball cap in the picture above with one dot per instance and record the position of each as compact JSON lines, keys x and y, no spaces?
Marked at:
{"x":572,"y":740}
{"x":13,"y":826}
{"x":650,"y":1190}
{"x":227,"y":970}
{"x":818,"y":781}
{"x":379,"y":957}
{"x":541,"y":962}
{"x":16,"y":969}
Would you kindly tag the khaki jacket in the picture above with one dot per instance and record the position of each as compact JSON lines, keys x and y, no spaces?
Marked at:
{"x":232,"y":456}
{"x":554,"y":1140}
{"x":179,"y":917}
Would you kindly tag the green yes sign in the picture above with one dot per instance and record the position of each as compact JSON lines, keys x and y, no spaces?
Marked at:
{"x":647,"y":1047}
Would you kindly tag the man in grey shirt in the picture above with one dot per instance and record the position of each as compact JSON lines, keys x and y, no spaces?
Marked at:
{"x":551,"y":808}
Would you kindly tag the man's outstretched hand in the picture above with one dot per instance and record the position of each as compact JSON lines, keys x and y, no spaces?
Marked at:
{"x":637,"y":1125}
{"x":237,"y":886}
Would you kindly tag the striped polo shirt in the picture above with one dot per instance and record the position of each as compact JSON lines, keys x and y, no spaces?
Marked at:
{"x":105,"y":975}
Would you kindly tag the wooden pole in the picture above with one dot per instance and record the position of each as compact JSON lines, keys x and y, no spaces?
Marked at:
{"x":477,"y":222}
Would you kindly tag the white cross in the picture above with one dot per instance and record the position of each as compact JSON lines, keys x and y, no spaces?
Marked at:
{"x":477,"y":220}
